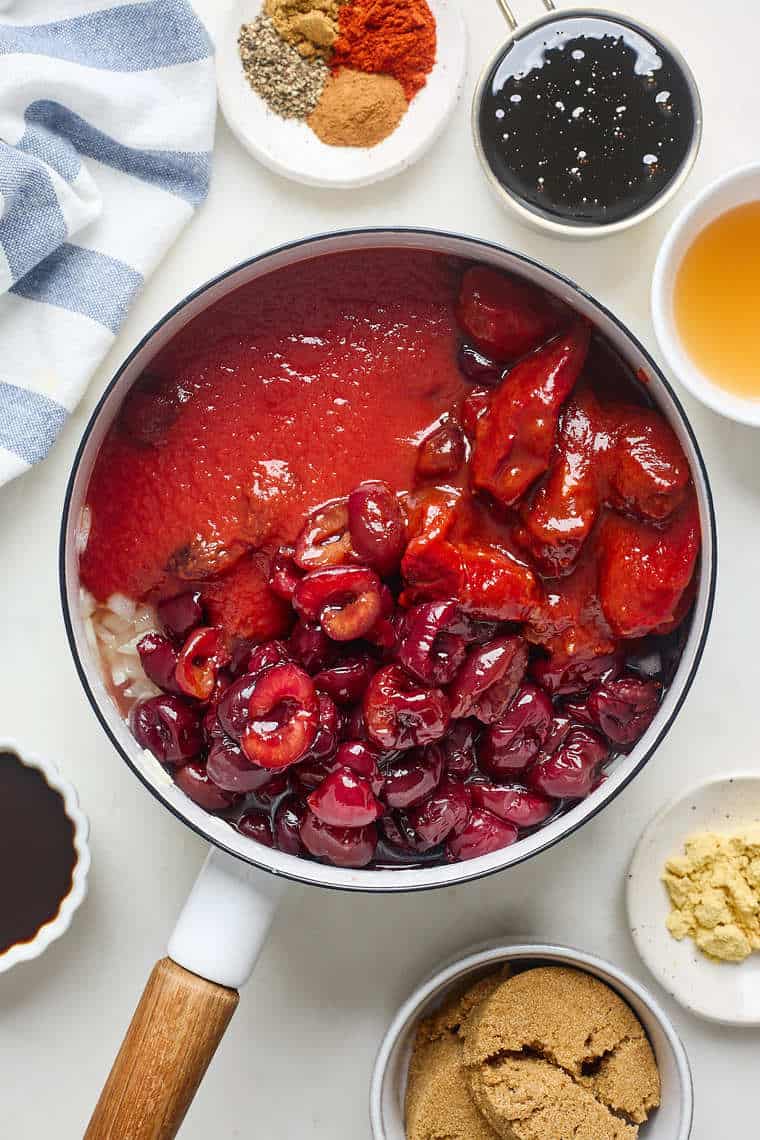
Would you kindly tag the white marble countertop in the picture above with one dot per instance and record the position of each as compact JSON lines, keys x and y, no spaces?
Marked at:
{"x":297,"y":1058}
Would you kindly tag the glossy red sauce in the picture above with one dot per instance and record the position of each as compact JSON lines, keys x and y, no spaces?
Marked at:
{"x":283,"y":395}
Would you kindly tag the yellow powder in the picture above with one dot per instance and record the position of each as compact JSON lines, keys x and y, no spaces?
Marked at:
{"x":311,"y":26}
{"x":714,"y":890}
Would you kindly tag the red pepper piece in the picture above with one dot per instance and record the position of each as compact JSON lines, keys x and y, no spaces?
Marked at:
{"x":504,"y":317}
{"x":648,"y":473}
{"x":514,"y":439}
{"x":644,"y":571}
{"x":474,"y":407}
{"x":562,"y":513}
{"x":496,"y":586}
{"x":570,"y":622}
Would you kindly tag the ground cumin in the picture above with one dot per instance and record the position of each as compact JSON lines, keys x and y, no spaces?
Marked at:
{"x":388,"y":37}
{"x":311,"y":26}
{"x":358,"y":109}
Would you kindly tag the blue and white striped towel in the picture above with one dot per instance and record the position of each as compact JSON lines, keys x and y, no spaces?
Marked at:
{"x":106,"y":129}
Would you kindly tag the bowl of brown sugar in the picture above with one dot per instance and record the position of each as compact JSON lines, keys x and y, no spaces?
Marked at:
{"x":531,"y":1042}
{"x":340,"y":93}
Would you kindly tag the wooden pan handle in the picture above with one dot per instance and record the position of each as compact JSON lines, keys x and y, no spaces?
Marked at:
{"x":174,"y":1034}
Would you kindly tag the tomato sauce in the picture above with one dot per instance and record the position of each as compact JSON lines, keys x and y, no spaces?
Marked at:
{"x":283,"y":395}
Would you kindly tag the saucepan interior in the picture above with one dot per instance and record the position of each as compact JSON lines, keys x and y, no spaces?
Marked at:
{"x":217,"y":831}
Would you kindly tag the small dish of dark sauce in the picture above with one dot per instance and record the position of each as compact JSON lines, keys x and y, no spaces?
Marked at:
{"x":37,"y":851}
{"x":587,"y":120}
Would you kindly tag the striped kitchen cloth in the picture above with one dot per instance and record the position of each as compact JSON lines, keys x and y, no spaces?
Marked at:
{"x":106,"y":129}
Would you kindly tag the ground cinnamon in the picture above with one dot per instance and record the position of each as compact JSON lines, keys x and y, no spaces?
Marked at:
{"x":358,"y":109}
{"x":389,"y":37}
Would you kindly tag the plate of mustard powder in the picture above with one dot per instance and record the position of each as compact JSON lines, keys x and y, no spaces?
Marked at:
{"x":693,"y":897}
{"x":313,"y":98}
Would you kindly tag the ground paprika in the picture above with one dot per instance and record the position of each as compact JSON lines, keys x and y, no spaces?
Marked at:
{"x":390,"y":37}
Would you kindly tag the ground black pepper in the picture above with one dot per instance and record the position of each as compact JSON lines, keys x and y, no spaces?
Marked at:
{"x":289,"y":84}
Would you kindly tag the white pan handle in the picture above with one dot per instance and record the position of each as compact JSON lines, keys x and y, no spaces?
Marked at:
{"x":226,"y":920}
{"x":187,"y":1003}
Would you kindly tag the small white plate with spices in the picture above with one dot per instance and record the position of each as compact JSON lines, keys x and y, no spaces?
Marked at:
{"x":724,"y":992}
{"x":290,"y":147}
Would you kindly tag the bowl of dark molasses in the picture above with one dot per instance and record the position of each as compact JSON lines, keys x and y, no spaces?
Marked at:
{"x":586,"y":122}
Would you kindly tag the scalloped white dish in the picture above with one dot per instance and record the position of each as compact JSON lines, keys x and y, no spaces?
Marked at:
{"x":724,"y":992}
{"x":290,"y":147}
{"x":52,"y":930}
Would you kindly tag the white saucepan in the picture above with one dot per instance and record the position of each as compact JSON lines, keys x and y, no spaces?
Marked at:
{"x":192,"y":993}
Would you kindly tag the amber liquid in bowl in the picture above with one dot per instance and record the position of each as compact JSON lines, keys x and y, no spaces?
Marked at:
{"x":717,"y":298}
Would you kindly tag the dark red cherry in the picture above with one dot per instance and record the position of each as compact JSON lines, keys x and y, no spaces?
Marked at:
{"x":427,"y":648}
{"x":194,"y":781}
{"x":324,"y":539}
{"x":571,"y":770}
{"x":345,"y":600}
{"x":180,"y":614}
{"x":352,"y":725}
{"x":284,"y":575}
{"x":311,"y":646}
{"x":362,"y":759}
{"x":326,"y":740}
{"x":342,"y":846}
{"x":459,"y":748}
{"x":561,"y":678}
{"x":400,"y":713}
{"x":516,"y":804}
{"x":376,"y":526}
{"x":233,"y":711}
{"x":158,"y":658}
{"x":231,"y":770}
{"x":283,"y":717}
{"x":267,"y":654}
{"x":412,"y":776}
{"x":346,"y":681}
{"x":509,"y":745}
{"x":489,"y":679}
{"x":345,"y":799}
{"x":203,"y":654}
{"x":442,"y":814}
{"x":256,"y":825}
{"x":395,"y":832}
{"x":308,"y":774}
{"x":478,"y":367}
{"x":168,"y":727}
{"x":273,"y":790}
{"x":625,"y":708}
{"x":483,"y":833}
{"x":287,"y":825}
{"x":441,"y":453}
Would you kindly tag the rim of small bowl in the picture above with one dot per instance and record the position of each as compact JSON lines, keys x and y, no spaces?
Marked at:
{"x":588,"y":230}
{"x":496,"y":952}
{"x":57,"y":926}
{"x":738,"y":408}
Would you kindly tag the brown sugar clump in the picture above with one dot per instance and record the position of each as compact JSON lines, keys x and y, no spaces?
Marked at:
{"x":527,"y":1098}
{"x":565,"y":1031}
{"x":438,"y":1103}
{"x":358,"y":109}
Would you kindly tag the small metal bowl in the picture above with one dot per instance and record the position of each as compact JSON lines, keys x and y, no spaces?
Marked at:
{"x":544,"y":222}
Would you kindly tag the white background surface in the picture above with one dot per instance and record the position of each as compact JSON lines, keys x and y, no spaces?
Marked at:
{"x":297,"y":1059}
